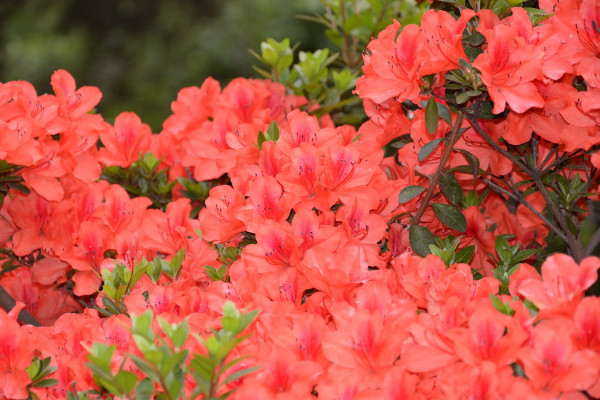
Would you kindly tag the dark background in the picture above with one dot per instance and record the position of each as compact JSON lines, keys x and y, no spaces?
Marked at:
{"x":141,"y":52}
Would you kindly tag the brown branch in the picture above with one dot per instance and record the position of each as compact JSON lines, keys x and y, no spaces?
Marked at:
{"x":516,"y":195}
{"x":8,"y":303}
{"x":454,"y":135}
{"x":592,"y":244}
{"x":475,"y":124}
{"x":573,"y":243}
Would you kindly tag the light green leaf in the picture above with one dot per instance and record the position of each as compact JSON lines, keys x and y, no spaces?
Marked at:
{"x":144,"y":390}
{"x":463,"y":256}
{"x":126,"y":381}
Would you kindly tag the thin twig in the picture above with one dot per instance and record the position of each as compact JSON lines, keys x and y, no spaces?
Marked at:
{"x":533,"y":145}
{"x":592,"y":244}
{"x":346,"y":48}
{"x":548,"y":156}
{"x":516,"y":195}
{"x":8,"y":303}
{"x":454,"y":135}
{"x":473,"y":119}
{"x":573,"y":243}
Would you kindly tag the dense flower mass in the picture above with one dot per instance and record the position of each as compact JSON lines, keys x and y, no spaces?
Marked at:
{"x":307,"y":225}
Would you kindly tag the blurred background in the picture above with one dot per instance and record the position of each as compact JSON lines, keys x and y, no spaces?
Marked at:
{"x":140,"y":53}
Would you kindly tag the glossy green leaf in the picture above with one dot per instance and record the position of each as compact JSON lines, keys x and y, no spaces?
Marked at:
{"x":45,"y":383}
{"x":472,"y":160}
{"x":420,"y":238}
{"x":431,"y":115}
{"x":173,"y":361}
{"x":464,"y":255}
{"x":450,"y":216}
{"x":429,"y":148}
{"x":451,"y":188}
{"x":536,"y":15}
{"x":410,"y":192}
{"x":144,"y":390}
{"x":176,"y":262}
{"x":180,"y":334}
{"x":126,"y":381}
{"x":239,"y":374}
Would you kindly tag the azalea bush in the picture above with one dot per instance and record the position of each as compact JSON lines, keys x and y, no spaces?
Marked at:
{"x":268,"y":243}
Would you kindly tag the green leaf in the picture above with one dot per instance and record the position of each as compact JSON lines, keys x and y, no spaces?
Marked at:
{"x":500,"y":306}
{"x":239,"y":374}
{"x":154,"y":357}
{"x":166,"y":327}
{"x":176,"y":262}
{"x":443,"y":110}
{"x":174,"y":360}
{"x":451,"y":188}
{"x":429,"y":148}
{"x":485,"y":110}
{"x":101,"y":356}
{"x":18,"y":186}
{"x":420,"y":238}
{"x":536,"y":15}
{"x":33,"y":368}
{"x":472,"y":160}
{"x":409,"y":193}
{"x":176,"y":384}
{"x":226,"y":347}
{"x":203,"y":366}
{"x":229,"y":310}
{"x":45,"y":383}
{"x":126,"y":381}
{"x":431,"y":115}
{"x":462,"y":98}
{"x":450,"y":216}
{"x":138,"y":272}
{"x":110,"y":305}
{"x":230,"y":324}
{"x":145,"y":367}
{"x":261,"y":139}
{"x":142,"y":324}
{"x":154,"y":269}
{"x":144,"y":390}
{"x":273,"y":132}
{"x":523,"y":255}
{"x":246,"y":319}
{"x":180,"y":334}
{"x":503,"y":249}
{"x":464,"y":64}
{"x":232,"y":252}
{"x":463,"y":256}
{"x":215,"y":274}
{"x":108,"y":385}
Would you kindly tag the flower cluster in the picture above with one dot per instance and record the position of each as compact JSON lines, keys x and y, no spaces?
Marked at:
{"x":310,"y":231}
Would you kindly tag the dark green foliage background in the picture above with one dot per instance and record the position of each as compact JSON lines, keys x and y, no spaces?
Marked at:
{"x":141,"y":52}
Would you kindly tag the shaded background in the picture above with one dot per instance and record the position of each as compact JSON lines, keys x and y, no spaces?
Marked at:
{"x":140,"y":53}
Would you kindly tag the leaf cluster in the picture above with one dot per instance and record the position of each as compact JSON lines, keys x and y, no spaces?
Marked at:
{"x":164,"y":359}
{"x":143,"y":178}
{"x":118,"y":282}
{"x":8,"y":180}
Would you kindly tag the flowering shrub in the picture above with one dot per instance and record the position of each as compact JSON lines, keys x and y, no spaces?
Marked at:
{"x":442,"y":249}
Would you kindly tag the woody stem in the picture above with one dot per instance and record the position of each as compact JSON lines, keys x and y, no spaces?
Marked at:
{"x":516,"y":195}
{"x":7,"y":302}
{"x":573,"y":242}
{"x":454,"y":135}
